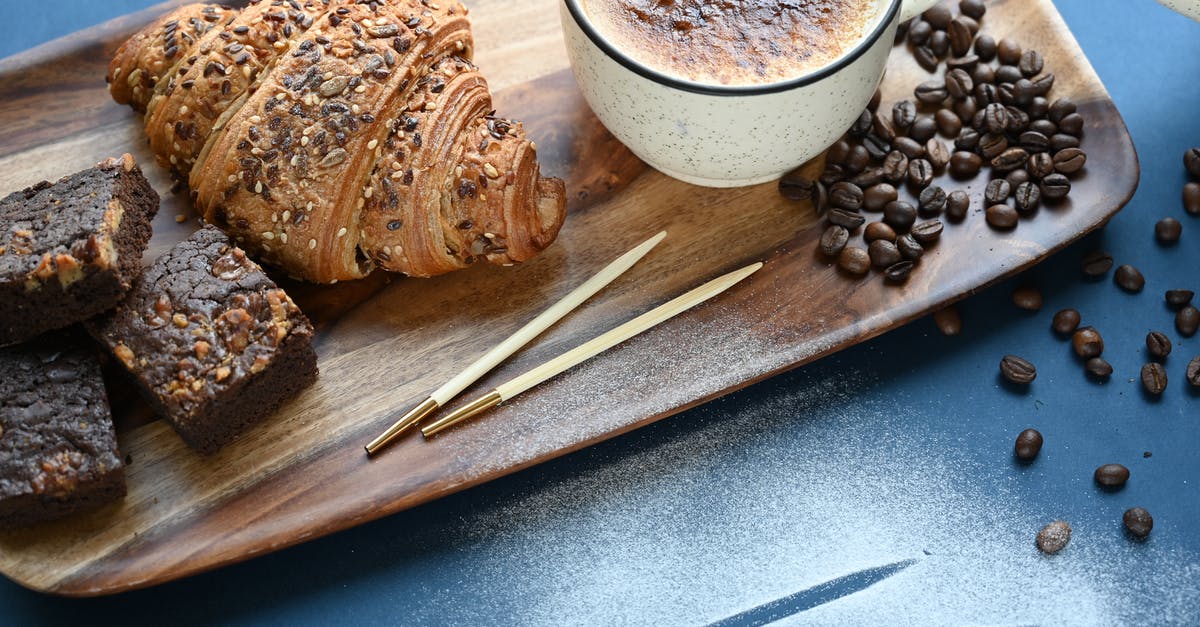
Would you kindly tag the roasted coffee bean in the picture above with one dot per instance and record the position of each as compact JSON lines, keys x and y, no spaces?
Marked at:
{"x":899,"y":215}
{"x":995,"y":118}
{"x":844,"y":195}
{"x":1111,"y":475}
{"x":1087,"y":342}
{"x":1010,"y":160}
{"x":982,"y":73}
{"x":1191,"y":161}
{"x":932,"y":200}
{"x":857,"y":160}
{"x":960,"y":36}
{"x":1038,"y":110}
{"x":1040,"y":165}
{"x":1138,"y":522}
{"x":918,"y":32}
{"x":1033,"y":141}
{"x":909,"y":147}
{"x":1055,"y":187}
{"x":992,"y":145}
{"x":939,"y":43}
{"x":834,"y":239}
{"x":1001,"y":217}
{"x":862,"y":125}
{"x":1187,"y":320}
{"x":876,"y":146}
{"x":959,"y":83}
{"x":1045,"y":127}
{"x":878,"y":230}
{"x":1031,"y":63}
{"x":947,"y":123}
{"x":838,"y":153}
{"x":854,"y":260}
{"x":883,"y":127}
{"x":1008,"y":73}
{"x":848,"y":219}
{"x":796,"y":186}
{"x":909,"y":247}
{"x":1158,"y":345}
{"x":1027,"y":298}
{"x":920,"y":173}
{"x":1129,"y":279}
{"x":867,"y":178}
{"x":923,"y":129}
{"x":1008,"y":51}
{"x":1097,"y":367}
{"x":1168,"y":230}
{"x":927,"y":233}
{"x":832,"y":174}
{"x":1017,"y":370}
{"x":926,"y":58}
{"x":997,"y":191}
{"x":1054,"y":537}
{"x":876,"y":98}
{"x":937,"y":154}
{"x":820,"y":198}
{"x":1060,"y":109}
{"x":985,"y":48}
{"x":1027,"y":196}
{"x":1179,"y":298}
{"x":966,"y":110}
{"x":1097,"y":263}
{"x":1071,"y":125}
{"x":938,"y":16}
{"x":1062,"y":141}
{"x":883,"y":253}
{"x":930,"y":92}
{"x":957,"y":204}
{"x":1191,"y":198}
{"x":1016,"y":177}
{"x":968,"y":139}
{"x":1154,"y":378}
{"x":895,"y":167}
{"x":901,"y":32}
{"x":1023,"y":92}
{"x":904,"y":113}
{"x":948,"y":320}
{"x":1029,"y":444}
{"x":1018,"y":120}
{"x":965,"y":165}
{"x":898,"y":272}
{"x":876,"y":197}
{"x":1043,"y":84}
{"x":1193,"y":372}
{"x":1069,"y":160}
{"x":1065,"y":321}
{"x":973,"y":9}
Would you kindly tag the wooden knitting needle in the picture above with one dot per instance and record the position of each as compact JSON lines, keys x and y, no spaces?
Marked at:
{"x":591,"y":348}
{"x":509,"y":346}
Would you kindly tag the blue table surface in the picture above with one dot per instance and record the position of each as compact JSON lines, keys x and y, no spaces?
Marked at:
{"x":875,"y":486}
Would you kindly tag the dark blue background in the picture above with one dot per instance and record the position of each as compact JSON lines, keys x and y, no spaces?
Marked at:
{"x":895,"y":451}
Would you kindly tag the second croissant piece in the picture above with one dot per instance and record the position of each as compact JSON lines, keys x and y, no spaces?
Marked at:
{"x":331,"y":137}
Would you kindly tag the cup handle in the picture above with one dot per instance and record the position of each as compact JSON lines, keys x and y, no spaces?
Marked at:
{"x":912,"y":8}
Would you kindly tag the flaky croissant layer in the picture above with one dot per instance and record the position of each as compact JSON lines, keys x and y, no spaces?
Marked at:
{"x":331,"y":137}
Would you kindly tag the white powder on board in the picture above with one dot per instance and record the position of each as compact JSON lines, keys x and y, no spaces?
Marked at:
{"x":644,"y":539}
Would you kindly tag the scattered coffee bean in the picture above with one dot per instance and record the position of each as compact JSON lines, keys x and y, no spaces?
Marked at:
{"x":931,"y":92}
{"x":1111,"y":475}
{"x":920,"y":173}
{"x":1071,"y":124}
{"x":838,"y":153}
{"x":1031,"y":63}
{"x":973,"y":9}
{"x":884,"y":127}
{"x":898,"y":272}
{"x":1029,"y":444}
{"x":948,"y":320}
{"x":985,"y":48}
{"x":1065,"y":321}
{"x":857,"y":160}
{"x":1138,"y":522}
{"x":883,"y":253}
{"x":1192,"y":374}
{"x":909,"y":247}
{"x":844,"y":218}
{"x":1062,"y":141}
{"x":1087,"y":342}
{"x":957,"y":204}
{"x":1054,"y":537}
{"x":1008,"y":51}
{"x":1179,"y":298}
{"x":1027,"y":196}
{"x":1055,"y":187}
{"x":1017,"y":370}
{"x":1069,"y":160}
{"x":1097,"y":263}
{"x":869,"y":177}
{"x":899,"y":215}
{"x":845,"y":195}
{"x":876,"y":146}
{"x":937,"y":154}
{"x":923,"y":129}
{"x":834,"y":239}
{"x":926,"y":58}
{"x":1040,"y":165}
{"x":1191,"y":161}
{"x":1158,"y":345}
{"x":1129,"y":279}
{"x":904,"y":113}
{"x":854,"y":260}
{"x":932,"y":200}
{"x":1027,"y":298}
{"x":878,"y":230}
{"x":895,"y":167}
{"x":1154,"y":378}
{"x":927,"y":233}
{"x":909,"y":147}
{"x":862,"y":125}
{"x":948,"y":123}
{"x":996,"y":192}
{"x":965,"y":165}
{"x":939,"y":42}
{"x":1191,"y":198}
{"x":1187,"y":320}
{"x":1168,"y":230}
{"x":796,"y":186}
{"x":1098,"y":368}
{"x":960,"y":36}
{"x":919,"y":31}
{"x":1002,"y":217}
{"x":876,"y":197}
{"x":938,"y":16}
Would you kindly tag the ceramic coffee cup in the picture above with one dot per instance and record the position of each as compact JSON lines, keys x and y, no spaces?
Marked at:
{"x":721,"y":135}
{"x":1190,"y":8}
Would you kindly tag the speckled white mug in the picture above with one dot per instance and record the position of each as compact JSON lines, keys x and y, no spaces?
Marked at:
{"x":1190,"y":8}
{"x":720,"y":135}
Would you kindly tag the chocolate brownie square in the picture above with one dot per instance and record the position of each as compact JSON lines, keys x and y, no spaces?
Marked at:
{"x":58,"y":450}
{"x":212,"y":342}
{"x":72,"y":249}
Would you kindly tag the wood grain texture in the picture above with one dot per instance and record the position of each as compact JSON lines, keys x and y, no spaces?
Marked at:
{"x":385,"y":343}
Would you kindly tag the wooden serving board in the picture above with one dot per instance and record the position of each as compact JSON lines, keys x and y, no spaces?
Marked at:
{"x":385,"y":342}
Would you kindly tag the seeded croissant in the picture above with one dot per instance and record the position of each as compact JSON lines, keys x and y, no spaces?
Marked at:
{"x":330,"y":137}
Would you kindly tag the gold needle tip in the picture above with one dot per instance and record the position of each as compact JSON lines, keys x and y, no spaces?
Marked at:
{"x":415,"y":415}
{"x":475,"y":407}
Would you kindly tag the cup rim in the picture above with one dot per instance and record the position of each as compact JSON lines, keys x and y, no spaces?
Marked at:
{"x":667,"y":80}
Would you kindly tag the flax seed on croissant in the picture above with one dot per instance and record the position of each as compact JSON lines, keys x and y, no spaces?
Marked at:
{"x":331,"y":137}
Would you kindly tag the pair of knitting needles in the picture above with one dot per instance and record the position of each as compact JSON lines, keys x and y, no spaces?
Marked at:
{"x":573,"y":357}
